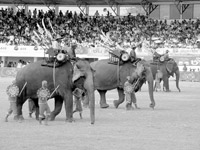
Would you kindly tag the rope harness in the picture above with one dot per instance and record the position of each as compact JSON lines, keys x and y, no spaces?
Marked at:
{"x":54,"y":73}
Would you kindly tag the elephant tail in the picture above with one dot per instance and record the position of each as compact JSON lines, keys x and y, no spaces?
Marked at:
{"x":177,"y":79}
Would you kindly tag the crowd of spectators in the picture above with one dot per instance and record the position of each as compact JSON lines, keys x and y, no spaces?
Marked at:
{"x":20,"y":64}
{"x":17,"y":28}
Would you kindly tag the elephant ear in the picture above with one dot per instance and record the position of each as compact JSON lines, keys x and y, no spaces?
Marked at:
{"x":169,"y":66}
{"x":140,"y":69}
{"x":77,"y":73}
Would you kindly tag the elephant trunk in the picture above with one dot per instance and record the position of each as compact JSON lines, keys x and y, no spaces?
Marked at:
{"x":149,"y":78}
{"x":177,"y":79}
{"x":89,"y":86}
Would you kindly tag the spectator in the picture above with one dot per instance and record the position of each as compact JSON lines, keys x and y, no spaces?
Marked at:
{"x":19,"y":64}
{"x":2,"y":64}
{"x":184,"y":68}
{"x":166,"y":55}
{"x":17,"y":29}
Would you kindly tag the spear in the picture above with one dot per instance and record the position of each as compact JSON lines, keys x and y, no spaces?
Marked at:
{"x":22,"y":88}
{"x":51,"y":26}
{"x":54,"y":91}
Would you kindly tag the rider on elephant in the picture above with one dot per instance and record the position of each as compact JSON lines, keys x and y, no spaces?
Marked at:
{"x":166,"y":55}
{"x":133,"y":56}
{"x":159,"y":57}
{"x":57,"y":49}
{"x":56,"y":42}
{"x":156,"y":55}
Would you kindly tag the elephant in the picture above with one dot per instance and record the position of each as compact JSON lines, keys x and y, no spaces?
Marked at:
{"x":108,"y":76}
{"x":168,"y":68}
{"x":63,"y":78}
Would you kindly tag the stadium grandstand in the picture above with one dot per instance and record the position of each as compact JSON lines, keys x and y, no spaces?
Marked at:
{"x":162,"y":24}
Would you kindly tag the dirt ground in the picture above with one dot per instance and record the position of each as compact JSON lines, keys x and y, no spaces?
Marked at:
{"x":174,"y":124}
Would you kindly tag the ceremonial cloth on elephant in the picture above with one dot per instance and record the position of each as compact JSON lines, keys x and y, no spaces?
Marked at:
{"x":128,"y":88}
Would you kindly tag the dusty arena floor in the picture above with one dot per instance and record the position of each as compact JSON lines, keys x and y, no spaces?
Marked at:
{"x":173,"y":125}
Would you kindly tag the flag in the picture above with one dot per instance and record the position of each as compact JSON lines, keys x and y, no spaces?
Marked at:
{"x":51,"y":26}
{"x":36,"y":35}
{"x":34,"y":40}
{"x":41,"y":31}
{"x":48,"y":34}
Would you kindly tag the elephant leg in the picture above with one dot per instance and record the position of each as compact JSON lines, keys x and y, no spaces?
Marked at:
{"x":31,"y":107}
{"x":19,"y":111}
{"x":121,"y":97}
{"x":163,"y":86}
{"x":58,"y":107}
{"x":103,"y":103}
{"x":36,"y":108}
{"x":68,"y":103}
{"x":166,"y":83}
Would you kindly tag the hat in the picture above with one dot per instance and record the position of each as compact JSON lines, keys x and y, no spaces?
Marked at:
{"x":58,"y":37}
{"x":44,"y":83}
{"x":128,"y":78}
{"x":73,"y":41}
{"x":133,"y":46}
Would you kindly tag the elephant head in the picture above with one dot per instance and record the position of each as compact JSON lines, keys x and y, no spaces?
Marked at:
{"x":140,"y":69}
{"x":83,"y":78}
{"x":172,"y":68}
{"x":108,"y":76}
{"x":138,"y":76}
{"x":138,"y":72}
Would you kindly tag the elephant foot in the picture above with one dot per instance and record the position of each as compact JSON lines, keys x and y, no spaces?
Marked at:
{"x":116,"y":104}
{"x":152,"y":105}
{"x":136,"y":107}
{"x":104,"y":105}
{"x":30,"y":115}
{"x":16,"y":118}
{"x":168,"y":90}
{"x":21,"y":118}
{"x":52,"y":117}
{"x":37,"y":118}
{"x":70,"y":120}
{"x":129,"y":106}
